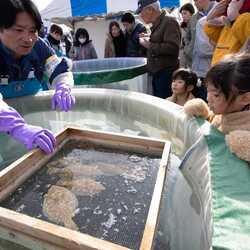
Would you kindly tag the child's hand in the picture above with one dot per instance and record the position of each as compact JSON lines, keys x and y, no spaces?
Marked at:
{"x":218,"y":10}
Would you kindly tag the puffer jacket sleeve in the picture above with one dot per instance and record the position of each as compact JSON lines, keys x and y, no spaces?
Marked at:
{"x":213,"y":32}
{"x":241,"y":28}
{"x":171,"y":40}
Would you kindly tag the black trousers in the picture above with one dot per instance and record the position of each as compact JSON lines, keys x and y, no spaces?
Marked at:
{"x":161,"y":83}
{"x":201,"y":91}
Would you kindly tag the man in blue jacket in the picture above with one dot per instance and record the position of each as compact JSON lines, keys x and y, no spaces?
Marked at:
{"x":133,"y":30}
{"x":24,"y":60}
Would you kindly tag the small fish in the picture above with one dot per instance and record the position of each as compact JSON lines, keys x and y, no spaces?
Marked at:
{"x":95,"y":169}
{"x":83,"y":186}
{"x":59,"y":206}
{"x":63,"y":173}
{"x":108,"y":169}
{"x":137,"y":174}
{"x":74,"y":170}
{"x":81,"y":170}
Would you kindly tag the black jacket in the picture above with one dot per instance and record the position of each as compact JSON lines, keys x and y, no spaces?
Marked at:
{"x":133,"y":47}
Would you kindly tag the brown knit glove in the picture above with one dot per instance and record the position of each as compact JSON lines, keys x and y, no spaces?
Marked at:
{"x":239,"y":143}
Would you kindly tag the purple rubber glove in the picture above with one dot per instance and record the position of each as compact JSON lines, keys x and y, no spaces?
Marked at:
{"x":62,"y":97}
{"x":12,"y":123}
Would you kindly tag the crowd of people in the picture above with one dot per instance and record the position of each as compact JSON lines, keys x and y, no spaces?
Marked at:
{"x":118,"y":42}
{"x":202,"y":64}
{"x":200,"y":40}
{"x":186,"y":60}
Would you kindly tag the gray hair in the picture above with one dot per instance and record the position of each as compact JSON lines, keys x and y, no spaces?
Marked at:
{"x":156,"y":5}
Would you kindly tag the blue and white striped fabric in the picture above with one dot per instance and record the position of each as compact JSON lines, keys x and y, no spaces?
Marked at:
{"x":66,"y":8}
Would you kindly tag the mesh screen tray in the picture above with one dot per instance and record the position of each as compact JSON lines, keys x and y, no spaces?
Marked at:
{"x":97,"y":191}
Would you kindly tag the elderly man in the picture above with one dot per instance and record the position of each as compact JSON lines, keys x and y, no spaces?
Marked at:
{"x":163,"y":45}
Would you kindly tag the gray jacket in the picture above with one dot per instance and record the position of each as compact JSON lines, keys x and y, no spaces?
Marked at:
{"x":182,"y":57}
{"x":191,"y":32}
{"x":86,"y":51}
{"x":203,"y":50}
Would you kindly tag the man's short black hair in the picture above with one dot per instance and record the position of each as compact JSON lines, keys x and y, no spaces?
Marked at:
{"x":10,"y":8}
{"x":128,"y":18}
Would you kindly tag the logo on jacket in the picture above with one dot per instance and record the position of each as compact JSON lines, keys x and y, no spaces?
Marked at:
{"x":19,"y":87}
{"x":4,"y":80}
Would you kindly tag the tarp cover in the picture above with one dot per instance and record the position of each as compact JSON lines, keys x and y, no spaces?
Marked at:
{"x":68,"y":8}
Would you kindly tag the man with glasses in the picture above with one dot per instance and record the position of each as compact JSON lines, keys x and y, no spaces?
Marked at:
{"x":162,"y":45}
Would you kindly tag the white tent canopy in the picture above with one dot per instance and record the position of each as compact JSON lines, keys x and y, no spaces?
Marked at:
{"x":67,"y":8}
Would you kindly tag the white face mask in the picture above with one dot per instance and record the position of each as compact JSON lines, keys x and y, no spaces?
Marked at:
{"x":82,"y":40}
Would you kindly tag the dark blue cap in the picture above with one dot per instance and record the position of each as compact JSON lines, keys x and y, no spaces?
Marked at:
{"x":142,"y":4}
